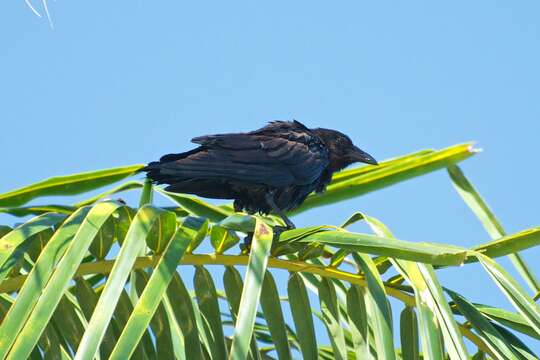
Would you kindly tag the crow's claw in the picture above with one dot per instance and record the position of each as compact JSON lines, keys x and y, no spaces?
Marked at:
{"x":278,"y":230}
{"x":246,"y":245}
{"x":248,"y":240}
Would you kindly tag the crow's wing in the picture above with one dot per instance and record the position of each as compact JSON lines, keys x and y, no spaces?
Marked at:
{"x":249,"y":158}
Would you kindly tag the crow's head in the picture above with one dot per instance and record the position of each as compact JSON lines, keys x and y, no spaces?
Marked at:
{"x":341,"y":150}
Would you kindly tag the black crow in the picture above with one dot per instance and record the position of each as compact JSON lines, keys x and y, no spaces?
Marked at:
{"x":272,"y":169}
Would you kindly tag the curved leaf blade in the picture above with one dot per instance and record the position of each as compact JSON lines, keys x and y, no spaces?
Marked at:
{"x":67,"y":185}
{"x":332,"y":318}
{"x":161,"y":232}
{"x":301,"y":313}
{"x":507,"y":318}
{"x":159,"y":322}
{"x":513,"y":291}
{"x":258,"y":259}
{"x":488,"y":332}
{"x":196,"y":206}
{"x":430,"y":331}
{"x":358,"y":321}
{"x":122,"y":312}
{"x":517,"y":345}
{"x":409,"y":334}
{"x":37,"y":280}
{"x":88,"y":299}
{"x":151,"y":296}
{"x":182,"y":306}
{"x":378,"y":307}
{"x":197,"y":228}
{"x":131,"y":247}
{"x":67,"y":319}
{"x":59,"y":279}
{"x":435,"y":313}
{"x":232,"y":281}
{"x":104,"y":239}
{"x":10,"y":242}
{"x":433,"y":296}
{"x":492,"y":225}
{"x":271,"y":307}
{"x":209,"y":307}
{"x":126,"y":186}
{"x":399,"y":249}
{"x":510,"y":244}
{"x":38,"y":210}
{"x":222,"y":239}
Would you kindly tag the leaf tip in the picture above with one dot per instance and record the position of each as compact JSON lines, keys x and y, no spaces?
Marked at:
{"x":474,"y":150}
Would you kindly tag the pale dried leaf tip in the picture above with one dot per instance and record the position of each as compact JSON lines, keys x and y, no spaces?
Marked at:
{"x":47,"y":13}
{"x":45,"y":8}
{"x":474,"y":150}
{"x":29,"y":4}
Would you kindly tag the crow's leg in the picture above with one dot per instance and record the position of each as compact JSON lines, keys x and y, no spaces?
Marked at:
{"x":246,"y":245}
{"x":269,"y":197}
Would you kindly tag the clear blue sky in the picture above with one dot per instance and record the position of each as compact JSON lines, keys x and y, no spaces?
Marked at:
{"x":118,"y":83}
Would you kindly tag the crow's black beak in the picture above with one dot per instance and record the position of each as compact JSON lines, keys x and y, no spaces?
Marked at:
{"x":362,"y":156}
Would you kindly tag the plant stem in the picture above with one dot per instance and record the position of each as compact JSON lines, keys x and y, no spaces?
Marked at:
{"x":147,"y":193}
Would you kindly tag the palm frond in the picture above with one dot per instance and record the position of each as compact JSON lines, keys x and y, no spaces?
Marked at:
{"x":101,"y":279}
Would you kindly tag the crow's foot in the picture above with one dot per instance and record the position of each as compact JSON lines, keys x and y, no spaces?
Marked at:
{"x":277,"y":231}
